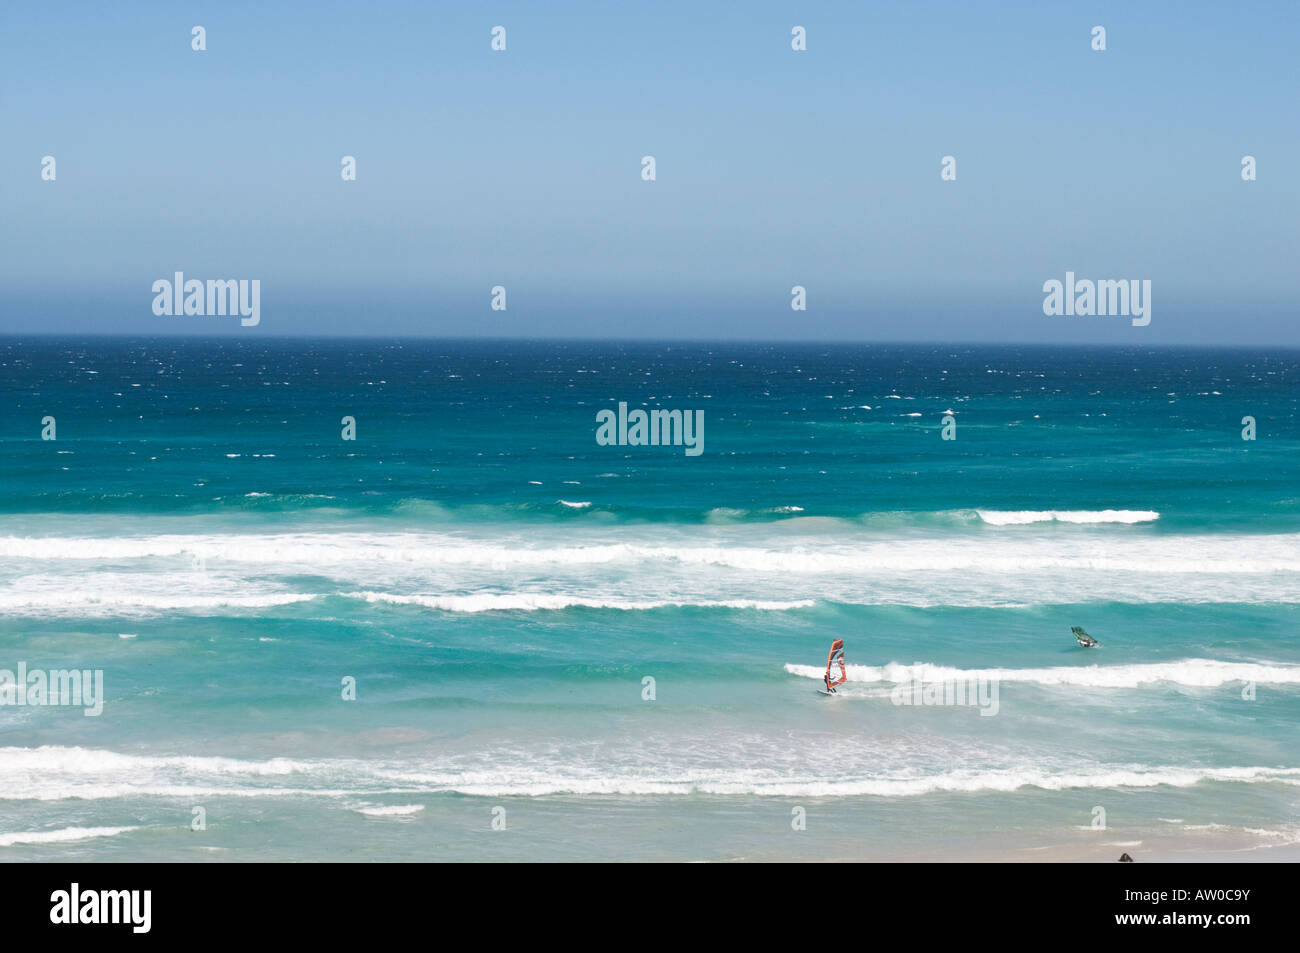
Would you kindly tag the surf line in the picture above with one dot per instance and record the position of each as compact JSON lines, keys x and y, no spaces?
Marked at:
{"x":655,"y":428}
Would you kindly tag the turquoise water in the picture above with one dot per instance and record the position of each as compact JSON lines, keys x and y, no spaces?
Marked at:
{"x":499,"y":587}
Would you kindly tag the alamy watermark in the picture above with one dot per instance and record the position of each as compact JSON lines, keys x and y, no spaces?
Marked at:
{"x":77,"y":688}
{"x":653,"y":428}
{"x":1084,"y":297}
{"x":215,"y":297}
{"x":973,"y":692}
{"x":128,"y":907}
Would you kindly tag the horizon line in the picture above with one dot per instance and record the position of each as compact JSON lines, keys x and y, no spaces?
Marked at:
{"x":7,"y":336}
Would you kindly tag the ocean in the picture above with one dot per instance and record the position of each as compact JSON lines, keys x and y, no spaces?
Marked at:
{"x":474,"y":633}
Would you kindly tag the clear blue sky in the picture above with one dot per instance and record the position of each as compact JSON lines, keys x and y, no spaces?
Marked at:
{"x":775,"y":168}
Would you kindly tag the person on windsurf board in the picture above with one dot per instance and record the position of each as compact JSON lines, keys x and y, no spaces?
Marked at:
{"x":836,"y":655}
{"x":1085,"y":640}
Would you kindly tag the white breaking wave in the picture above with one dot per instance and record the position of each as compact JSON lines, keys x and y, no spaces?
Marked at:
{"x":744,"y":549}
{"x":825,"y":560}
{"x":124,"y":602}
{"x":59,"y":836}
{"x":53,"y":773}
{"x":530,"y":602}
{"x":389,"y":810}
{"x":501,"y":784}
{"x":1202,"y":673}
{"x":56,"y":773}
{"x":1024,"y":517}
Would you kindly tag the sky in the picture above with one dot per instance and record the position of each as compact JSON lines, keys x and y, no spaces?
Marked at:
{"x":522,"y":168}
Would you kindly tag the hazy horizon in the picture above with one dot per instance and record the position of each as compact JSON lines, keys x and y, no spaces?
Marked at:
{"x":254,"y":338}
{"x":774,"y":168}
